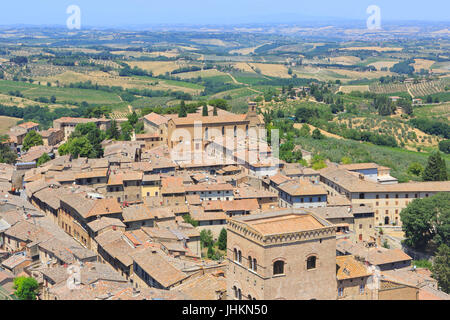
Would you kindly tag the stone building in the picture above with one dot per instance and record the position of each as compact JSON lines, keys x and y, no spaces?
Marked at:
{"x":284,"y":254}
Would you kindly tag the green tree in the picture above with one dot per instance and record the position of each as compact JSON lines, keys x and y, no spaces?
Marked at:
{"x":205,"y":111}
{"x":139,"y":127}
{"x":316,"y":134}
{"x":182,"y":113}
{"x":126,"y":131}
{"x":318,"y":162}
{"x":222,"y":241}
{"x":133,"y":118}
{"x":444,"y":146}
{"x":426,"y":222}
{"x":219,"y":103}
{"x":43,"y":159}
{"x":305,"y":130}
{"x":6,"y":154}
{"x":441,"y":268}
{"x":415,"y":168}
{"x":77,"y":147}
{"x":215,"y":111}
{"x":346,"y":160}
{"x":436,"y":169}
{"x":206,"y":238}
{"x":26,"y":288}
{"x":32,"y":139}
{"x":94,"y":135}
{"x":113,"y":132}
{"x":188,"y":219}
{"x":210,"y":252}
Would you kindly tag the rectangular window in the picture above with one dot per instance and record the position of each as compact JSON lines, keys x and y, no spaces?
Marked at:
{"x":361,"y":289}
{"x":340,"y":292}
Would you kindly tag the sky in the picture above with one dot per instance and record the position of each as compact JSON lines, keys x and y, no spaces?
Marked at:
{"x":115,"y":13}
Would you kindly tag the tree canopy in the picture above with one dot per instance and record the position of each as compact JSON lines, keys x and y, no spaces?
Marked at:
{"x":222,"y":241}
{"x":43,"y":159}
{"x":436,"y":169}
{"x":426,"y":222}
{"x":32,"y":139}
{"x":6,"y":154}
{"x":441,"y":268}
{"x":26,"y":288}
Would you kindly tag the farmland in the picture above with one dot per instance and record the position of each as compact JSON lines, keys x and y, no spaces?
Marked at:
{"x":122,"y":74}
{"x":6,"y":123}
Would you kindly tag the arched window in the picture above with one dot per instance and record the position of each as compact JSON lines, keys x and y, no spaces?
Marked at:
{"x":206,"y":133}
{"x":235,"y":131}
{"x":235,"y":255}
{"x":223,"y":131}
{"x":278,"y":267}
{"x":311,"y":262}
{"x":250,"y":263}
{"x":255,"y":265}
{"x":235,"y":290}
{"x":239,"y":256}
{"x":239,"y":294}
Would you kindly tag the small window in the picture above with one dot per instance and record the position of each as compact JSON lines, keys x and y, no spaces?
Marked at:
{"x":361,"y":289}
{"x":311,"y":262}
{"x":340,"y":292}
{"x":278,"y":267}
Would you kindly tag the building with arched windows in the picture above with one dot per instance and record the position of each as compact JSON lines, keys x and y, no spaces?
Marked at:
{"x":283,"y":254}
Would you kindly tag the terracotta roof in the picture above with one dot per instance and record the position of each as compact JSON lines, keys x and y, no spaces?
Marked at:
{"x":332,"y":212}
{"x":28,"y":125}
{"x":15,"y":260}
{"x":209,"y":187}
{"x":156,"y":119}
{"x":282,"y":221}
{"x":92,"y":174}
{"x":302,"y":188}
{"x":158,"y":268}
{"x":279,"y":178}
{"x":378,"y":256}
{"x":352,"y":183}
{"x":104,"y":222}
{"x":359,"y":166}
{"x":208,"y":216}
{"x":240,"y":205}
{"x":205,"y":287}
{"x":349,"y":268}
{"x":247,"y":192}
{"x":231,"y":118}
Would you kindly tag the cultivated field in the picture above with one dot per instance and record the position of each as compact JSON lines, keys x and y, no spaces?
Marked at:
{"x":383,"y":64}
{"x":106,"y":79}
{"x":6,"y":123}
{"x":420,"y":64}
{"x":345,"y":60}
{"x":201,"y":73}
{"x":379,"y":49}
{"x":348,"y":89}
{"x":157,"y":67}
{"x":401,"y":131}
{"x":271,"y":70}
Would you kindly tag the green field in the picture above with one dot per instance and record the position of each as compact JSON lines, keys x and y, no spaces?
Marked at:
{"x":33,"y":91}
{"x":395,"y":158}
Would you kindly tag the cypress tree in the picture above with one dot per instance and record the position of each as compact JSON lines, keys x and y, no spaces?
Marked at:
{"x":436,"y":169}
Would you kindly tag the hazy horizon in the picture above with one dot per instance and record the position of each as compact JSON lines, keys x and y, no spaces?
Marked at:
{"x":135,"y":13}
